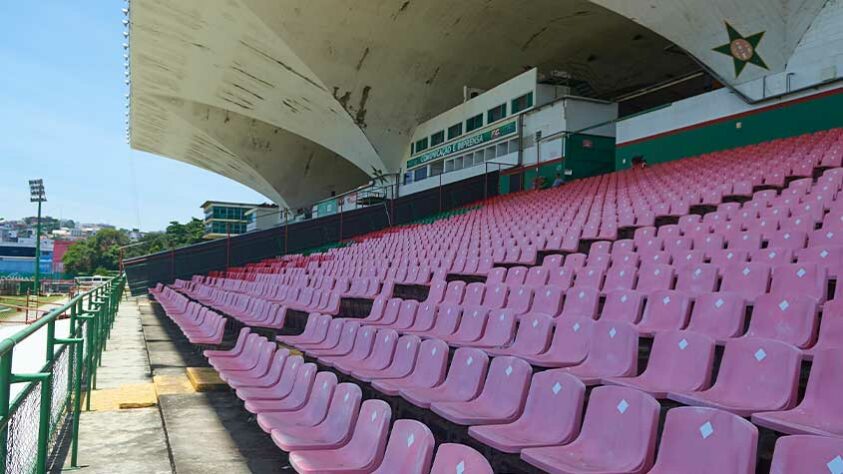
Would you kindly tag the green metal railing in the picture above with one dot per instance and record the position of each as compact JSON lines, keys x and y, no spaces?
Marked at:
{"x":52,"y":399}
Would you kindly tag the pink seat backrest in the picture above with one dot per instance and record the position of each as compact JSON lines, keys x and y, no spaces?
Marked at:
{"x":807,"y":279}
{"x":495,"y":297}
{"x":466,"y":373}
{"x":454,"y":292}
{"x":364,"y":341}
{"x":548,"y":300}
{"x":574,"y":261}
{"x":554,"y":406}
{"x":831,"y":326}
{"x":458,"y":458}
{"x":718,"y":315}
{"x":500,"y":328}
{"x":537,"y":276}
{"x":496,"y":275}
{"x":749,"y":280}
{"x":652,"y":277}
{"x":788,"y":239}
{"x":626,"y":258}
{"x":515,"y":276}
{"x":561,"y":277}
{"x":533,"y":335}
{"x":623,"y":305}
{"x":620,"y":277}
{"x":697,"y":279}
{"x":409,"y":449}
{"x":680,"y":360}
{"x":343,"y":410}
{"x":700,"y":440}
{"x":506,"y":386}
{"x":613,"y":348}
{"x":580,"y":302}
{"x":407,"y":313}
{"x":384,"y":346}
{"x":772,"y":256}
{"x":792,"y":319}
{"x":305,"y":376}
{"x":431,"y":363}
{"x":520,"y":299}
{"x":447,"y":320}
{"x":619,"y":422}
{"x":368,"y":441}
{"x":474,"y":294}
{"x":437,"y":292}
{"x":806,"y":453}
{"x":472,"y":324}
{"x":761,"y":370}
{"x":825,"y":385}
{"x":390,"y":312}
{"x":589,"y":277}
{"x":425,"y":316}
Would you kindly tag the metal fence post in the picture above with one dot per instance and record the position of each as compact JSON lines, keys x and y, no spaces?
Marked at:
{"x":46,"y":401}
{"x":5,"y":389}
{"x":76,"y":387}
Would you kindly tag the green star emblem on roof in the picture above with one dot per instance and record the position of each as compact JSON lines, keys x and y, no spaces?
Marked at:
{"x":742,"y":49}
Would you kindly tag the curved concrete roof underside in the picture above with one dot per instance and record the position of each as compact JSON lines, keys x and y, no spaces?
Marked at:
{"x":298,"y":98}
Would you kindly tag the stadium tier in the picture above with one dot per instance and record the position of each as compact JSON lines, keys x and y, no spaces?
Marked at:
{"x":647,"y":320}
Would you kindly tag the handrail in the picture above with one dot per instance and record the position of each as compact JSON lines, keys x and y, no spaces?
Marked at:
{"x":91,"y":318}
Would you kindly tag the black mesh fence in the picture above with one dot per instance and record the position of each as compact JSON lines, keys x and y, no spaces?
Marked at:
{"x":165,"y":267}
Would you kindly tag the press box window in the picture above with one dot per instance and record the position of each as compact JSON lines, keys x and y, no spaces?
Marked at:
{"x":421,"y":145}
{"x":420,"y":174}
{"x":437,"y":168}
{"x":437,"y":138}
{"x":497,"y":113}
{"x":474,"y":123}
{"x":522,"y":103}
{"x":454,"y":131}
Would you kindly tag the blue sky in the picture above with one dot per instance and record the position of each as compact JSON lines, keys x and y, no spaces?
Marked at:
{"x":62,"y":104}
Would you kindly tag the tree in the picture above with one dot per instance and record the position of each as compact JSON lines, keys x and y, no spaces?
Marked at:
{"x":100,"y":252}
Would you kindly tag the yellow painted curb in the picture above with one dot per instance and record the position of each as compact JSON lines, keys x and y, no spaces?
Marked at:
{"x":205,"y":379}
{"x":124,"y":397}
{"x":172,"y":384}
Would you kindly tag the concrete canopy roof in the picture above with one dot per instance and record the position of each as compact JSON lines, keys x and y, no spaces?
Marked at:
{"x":299,"y":98}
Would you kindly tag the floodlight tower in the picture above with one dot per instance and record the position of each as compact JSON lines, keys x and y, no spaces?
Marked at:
{"x":37,"y":194}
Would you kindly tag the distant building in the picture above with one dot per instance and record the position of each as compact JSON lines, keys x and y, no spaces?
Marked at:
{"x":263,"y":217}
{"x":18,"y":258}
{"x":230,"y":218}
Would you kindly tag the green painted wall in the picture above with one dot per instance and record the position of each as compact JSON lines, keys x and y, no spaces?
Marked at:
{"x":803,"y":117}
{"x":583,"y":161}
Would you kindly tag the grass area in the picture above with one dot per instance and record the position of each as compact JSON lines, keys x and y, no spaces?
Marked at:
{"x":11,"y":301}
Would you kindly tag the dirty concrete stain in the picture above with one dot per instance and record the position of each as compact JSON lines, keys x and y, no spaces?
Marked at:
{"x":360,"y":117}
{"x":433,"y":77}
{"x":252,"y":76}
{"x":401,"y":10}
{"x":533,"y":38}
{"x":282,"y":64}
{"x":238,"y":86}
{"x":362,"y":59}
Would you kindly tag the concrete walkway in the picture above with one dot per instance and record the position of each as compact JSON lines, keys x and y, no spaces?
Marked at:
{"x":112,"y":440}
{"x":184,"y":431}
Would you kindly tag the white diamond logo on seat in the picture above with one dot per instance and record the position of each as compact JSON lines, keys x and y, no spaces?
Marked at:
{"x":745,"y":271}
{"x":719,"y":303}
{"x":508,"y":371}
{"x":760,"y":355}
{"x":410,"y":440}
{"x":784,"y":305}
{"x":801,"y":272}
{"x":612,"y":333}
{"x":556,"y":388}
{"x":683,"y":344}
{"x":706,"y":430}
{"x":622,"y":406}
{"x":835,"y":466}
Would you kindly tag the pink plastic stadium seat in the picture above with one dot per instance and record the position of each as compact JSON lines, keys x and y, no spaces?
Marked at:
{"x":551,"y":415}
{"x":500,"y":331}
{"x":589,"y":277}
{"x":800,"y":279}
{"x":750,"y":280}
{"x":613,"y":352}
{"x":454,"y":292}
{"x":401,"y":364}
{"x":424,"y":319}
{"x":520,"y":299}
{"x":463,"y":382}
{"x":531,"y":338}
{"x":620,"y":277}
{"x":500,"y":401}
{"x":363,"y":452}
{"x":695,"y":280}
{"x":548,"y":300}
{"x":680,"y":361}
{"x":623,"y":305}
{"x":333,"y":432}
{"x":364,"y":340}
{"x":311,"y":414}
{"x":314,"y":332}
{"x":457,"y":458}
{"x":295,"y":399}
{"x":332,"y":338}
{"x":569,"y":345}
{"x":772,"y":256}
{"x":720,"y":316}
{"x":755,"y":375}
{"x":266,"y":379}
{"x":831,"y":328}
{"x":347,"y":335}
{"x":654,"y":277}
{"x":378,"y":358}
{"x":706,"y":440}
{"x":665,"y":311}
{"x":788,"y":239}
{"x":580,"y":303}
{"x":791,"y":319}
{"x":471,"y":328}
{"x":618,"y":435}
{"x":429,"y":371}
{"x":803,"y":454}
{"x":409,"y":449}
{"x":447,"y":320}
{"x":406,"y":316}
{"x":821,"y":410}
